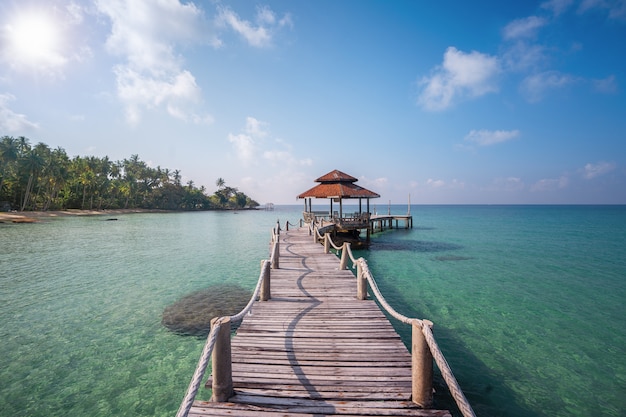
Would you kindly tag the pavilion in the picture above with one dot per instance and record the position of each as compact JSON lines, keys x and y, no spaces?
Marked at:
{"x":337,"y":187}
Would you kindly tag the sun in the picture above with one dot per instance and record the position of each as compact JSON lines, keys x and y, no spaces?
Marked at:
{"x":35,"y":40}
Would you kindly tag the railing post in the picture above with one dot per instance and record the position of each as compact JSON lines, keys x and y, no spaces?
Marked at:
{"x":344,"y":256}
{"x":421,"y":366}
{"x":301,"y":222}
{"x":326,"y":243}
{"x":276,"y":254}
{"x":222,"y":362}
{"x":287,"y":226}
{"x":265,"y":293}
{"x":278,"y":227}
{"x":361,"y":283}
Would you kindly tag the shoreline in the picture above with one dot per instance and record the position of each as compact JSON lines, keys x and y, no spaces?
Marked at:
{"x":35,"y":216}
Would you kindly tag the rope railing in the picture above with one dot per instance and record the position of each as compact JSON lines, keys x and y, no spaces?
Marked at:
{"x":203,"y":362}
{"x":425,"y":326}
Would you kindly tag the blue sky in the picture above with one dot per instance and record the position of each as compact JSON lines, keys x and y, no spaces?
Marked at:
{"x":452,"y":102}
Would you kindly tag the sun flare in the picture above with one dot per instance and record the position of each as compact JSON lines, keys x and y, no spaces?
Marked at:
{"x":35,"y":40}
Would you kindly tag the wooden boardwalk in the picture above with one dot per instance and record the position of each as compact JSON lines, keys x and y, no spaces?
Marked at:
{"x":314,"y":349}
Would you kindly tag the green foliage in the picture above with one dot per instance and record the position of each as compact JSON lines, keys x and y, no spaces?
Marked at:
{"x":40,"y":178}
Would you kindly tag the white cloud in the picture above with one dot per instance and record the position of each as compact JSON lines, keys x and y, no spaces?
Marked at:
{"x":491,"y":137}
{"x":522,"y":56}
{"x":550,"y":184}
{"x":460,"y":75}
{"x":251,"y":146}
{"x":145,"y":34}
{"x":524,"y":28}
{"x":557,"y":6}
{"x":259,"y":35}
{"x":534,"y":86}
{"x":616,"y":8}
{"x":9,"y":120}
{"x":591,"y":171}
{"x":435,"y":183}
{"x":606,"y":85}
{"x":244,"y":146}
{"x":256,"y":127}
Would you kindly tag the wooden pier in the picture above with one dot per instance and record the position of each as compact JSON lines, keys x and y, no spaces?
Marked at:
{"x":378,"y":222}
{"x":316,"y":346}
{"x":315,"y":349}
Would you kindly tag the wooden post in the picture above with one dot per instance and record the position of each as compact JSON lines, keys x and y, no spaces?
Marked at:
{"x":276,"y":254}
{"x":361,"y":283}
{"x":222,"y":362}
{"x":265,"y":285}
{"x":326,"y":243}
{"x":422,"y":366}
{"x":278,"y":227}
{"x":344,"y":256}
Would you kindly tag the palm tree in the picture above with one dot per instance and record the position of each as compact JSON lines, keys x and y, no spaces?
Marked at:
{"x":8,"y":155}
{"x":220,"y":183}
{"x":32,"y":163}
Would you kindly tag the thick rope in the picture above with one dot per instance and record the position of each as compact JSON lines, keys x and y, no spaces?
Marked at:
{"x":446,"y":372}
{"x":365,"y":270}
{"x":239,"y":316}
{"x":194,"y":385}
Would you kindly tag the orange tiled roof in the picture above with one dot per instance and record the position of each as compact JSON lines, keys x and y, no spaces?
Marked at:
{"x":337,"y":184}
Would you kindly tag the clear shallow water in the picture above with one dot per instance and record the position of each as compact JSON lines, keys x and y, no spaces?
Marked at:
{"x":527,"y":304}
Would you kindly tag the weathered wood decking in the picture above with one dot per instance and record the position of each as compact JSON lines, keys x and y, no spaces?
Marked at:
{"x":314,"y":349}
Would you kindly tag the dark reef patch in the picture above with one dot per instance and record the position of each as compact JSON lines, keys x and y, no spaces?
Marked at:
{"x":413,"y":245}
{"x":192,"y":314}
{"x":453,"y":258}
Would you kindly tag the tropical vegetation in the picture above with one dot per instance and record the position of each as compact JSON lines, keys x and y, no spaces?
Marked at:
{"x":41,"y":178}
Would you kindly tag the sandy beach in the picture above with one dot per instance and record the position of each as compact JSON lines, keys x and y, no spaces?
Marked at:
{"x":35,"y":216}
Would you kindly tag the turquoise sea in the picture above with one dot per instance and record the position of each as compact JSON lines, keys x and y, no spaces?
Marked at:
{"x":527,"y":301}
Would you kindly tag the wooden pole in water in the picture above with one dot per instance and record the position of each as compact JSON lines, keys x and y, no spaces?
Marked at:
{"x":421,"y":366}
{"x":222,"y":362}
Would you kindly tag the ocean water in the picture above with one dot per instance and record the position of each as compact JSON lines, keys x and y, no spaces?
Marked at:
{"x":527,"y":301}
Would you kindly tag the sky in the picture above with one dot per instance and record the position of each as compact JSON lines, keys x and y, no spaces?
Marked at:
{"x":447,"y":102}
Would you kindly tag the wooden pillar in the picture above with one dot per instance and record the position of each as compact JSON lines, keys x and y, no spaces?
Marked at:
{"x":222,"y":362}
{"x":265,"y":294}
{"x":276,"y":254}
{"x":361,"y":283}
{"x":421,"y":366}
{"x":344,"y":256}
{"x":340,"y":208}
{"x":326,"y":243}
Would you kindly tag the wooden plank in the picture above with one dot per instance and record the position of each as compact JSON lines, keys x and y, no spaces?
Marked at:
{"x":314,"y":349}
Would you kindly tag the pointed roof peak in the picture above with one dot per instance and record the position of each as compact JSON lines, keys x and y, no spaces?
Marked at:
{"x":336,"y":176}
